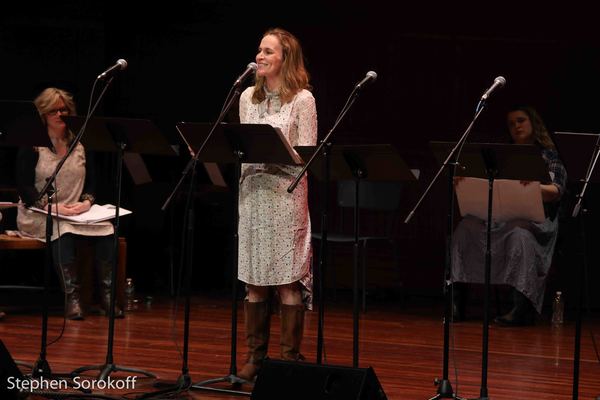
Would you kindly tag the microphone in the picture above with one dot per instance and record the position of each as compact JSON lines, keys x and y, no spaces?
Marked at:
{"x":371,"y":76}
{"x":120,"y":64}
{"x":250,"y":69}
{"x":498,"y":83}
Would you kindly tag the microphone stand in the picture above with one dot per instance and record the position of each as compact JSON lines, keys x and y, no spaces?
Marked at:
{"x":184,"y":381}
{"x":583,"y":267}
{"x":445,"y":390}
{"x":324,"y":148}
{"x":41,"y":367}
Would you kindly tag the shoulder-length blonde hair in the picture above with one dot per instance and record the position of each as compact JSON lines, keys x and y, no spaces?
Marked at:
{"x":540,"y":133}
{"x":294,"y":76}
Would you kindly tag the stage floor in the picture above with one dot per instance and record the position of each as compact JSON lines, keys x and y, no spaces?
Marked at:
{"x":403,"y":344}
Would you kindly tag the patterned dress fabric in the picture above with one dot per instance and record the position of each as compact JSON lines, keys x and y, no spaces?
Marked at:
{"x":274,"y":225}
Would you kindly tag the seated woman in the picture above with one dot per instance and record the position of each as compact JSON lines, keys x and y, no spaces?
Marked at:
{"x":74,"y":195}
{"x":521,"y":250}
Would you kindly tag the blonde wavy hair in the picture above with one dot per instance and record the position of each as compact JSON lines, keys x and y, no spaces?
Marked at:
{"x":293,"y":73}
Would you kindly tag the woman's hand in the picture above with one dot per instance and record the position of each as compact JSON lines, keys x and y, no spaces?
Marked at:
{"x":457,"y":180}
{"x":549,"y":193}
{"x":73,"y":208}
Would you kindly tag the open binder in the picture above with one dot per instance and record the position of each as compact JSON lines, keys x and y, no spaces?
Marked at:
{"x":519,"y":170}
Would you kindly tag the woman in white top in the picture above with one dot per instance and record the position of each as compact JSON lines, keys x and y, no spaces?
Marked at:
{"x":75,"y":194}
{"x":274,"y":226}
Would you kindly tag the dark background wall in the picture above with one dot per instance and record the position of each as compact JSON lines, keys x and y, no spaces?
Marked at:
{"x":433,"y":62}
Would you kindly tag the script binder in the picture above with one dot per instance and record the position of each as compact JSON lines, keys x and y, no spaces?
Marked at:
{"x":512,"y":199}
{"x":96,"y":213}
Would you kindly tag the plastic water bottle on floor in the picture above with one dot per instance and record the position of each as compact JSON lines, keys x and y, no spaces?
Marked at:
{"x":130,"y":294}
{"x":558,"y":309}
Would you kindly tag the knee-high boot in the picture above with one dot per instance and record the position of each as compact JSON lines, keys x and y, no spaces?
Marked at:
{"x":106,"y":271}
{"x":258,"y":324}
{"x":73,"y":307}
{"x":292,"y":330}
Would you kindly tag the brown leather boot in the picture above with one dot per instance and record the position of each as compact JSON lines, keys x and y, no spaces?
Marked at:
{"x":73,"y":309}
{"x":106,"y":271}
{"x":292,"y":330}
{"x":258,"y":324}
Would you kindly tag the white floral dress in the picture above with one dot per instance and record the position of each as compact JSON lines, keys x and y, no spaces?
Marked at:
{"x":274,"y":225}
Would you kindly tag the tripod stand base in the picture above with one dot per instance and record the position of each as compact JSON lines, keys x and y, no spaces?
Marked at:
{"x":234,"y":380}
{"x":445,"y":391}
{"x":41,"y":368}
{"x":107,"y":369}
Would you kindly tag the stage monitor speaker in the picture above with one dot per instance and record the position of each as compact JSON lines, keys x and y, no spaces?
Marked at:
{"x":301,"y":381}
{"x":8,"y":369}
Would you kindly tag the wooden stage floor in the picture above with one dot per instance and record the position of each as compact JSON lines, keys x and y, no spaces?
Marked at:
{"x":402,"y":344}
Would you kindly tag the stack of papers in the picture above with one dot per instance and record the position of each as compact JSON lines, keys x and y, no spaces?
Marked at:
{"x":511,"y":199}
{"x":96,"y":213}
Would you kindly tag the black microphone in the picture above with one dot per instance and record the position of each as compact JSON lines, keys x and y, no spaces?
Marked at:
{"x":119,"y":65}
{"x":250,"y":69}
{"x":498,"y":83}
{"x":371,"y":76}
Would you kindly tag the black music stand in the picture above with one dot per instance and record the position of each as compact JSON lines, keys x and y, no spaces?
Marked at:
{"x":359,"y":163}
{"x":118,"y":135}
{"x":579,"y":153}
{"x":493,"y":161}
{"x":236,"y":143}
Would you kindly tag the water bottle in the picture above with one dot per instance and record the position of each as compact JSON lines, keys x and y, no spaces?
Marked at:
{"x":558,"y":309}
{"x":130,"y":294}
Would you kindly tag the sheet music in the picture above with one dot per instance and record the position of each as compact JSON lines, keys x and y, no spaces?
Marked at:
{"x":512,"y":199}
{"x":96,"y":213}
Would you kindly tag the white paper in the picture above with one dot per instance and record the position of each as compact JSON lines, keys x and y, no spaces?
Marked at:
{"x":96,"y":213}
{"x":511,"y":199}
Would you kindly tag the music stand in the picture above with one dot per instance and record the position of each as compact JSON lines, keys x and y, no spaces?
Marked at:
{"x":579,"y":153}
{"x":118,"y":135}
{"x":237,"y":143}
{"x":494,"y":161}
{"x":359,"y":163}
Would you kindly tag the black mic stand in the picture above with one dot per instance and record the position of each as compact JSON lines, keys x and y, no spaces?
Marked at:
{"x":324,"y":148}
{"x":445,"y":390}
{"x":184,"y":381}
{"x":583,"y":265}
{"x":41,"y":367}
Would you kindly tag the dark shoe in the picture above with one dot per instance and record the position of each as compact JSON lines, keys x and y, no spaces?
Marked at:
{"x":2,"y":315}
{"x":522,"y":313}
{"x":106,"y":306}
{"x":258,"y":324}
{"x":106,"y":278}
{"x":73,"y":310}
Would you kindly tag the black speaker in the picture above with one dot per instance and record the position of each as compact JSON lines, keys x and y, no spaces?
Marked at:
{"x":8,"y":369}
{"x":301,"y":381}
